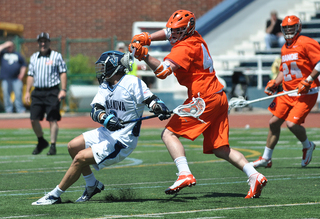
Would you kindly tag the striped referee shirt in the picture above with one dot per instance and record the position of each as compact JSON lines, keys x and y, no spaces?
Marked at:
{"x":46,"y":70}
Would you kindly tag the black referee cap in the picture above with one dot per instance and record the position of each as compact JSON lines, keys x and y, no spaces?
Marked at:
{"x":43,"y":35}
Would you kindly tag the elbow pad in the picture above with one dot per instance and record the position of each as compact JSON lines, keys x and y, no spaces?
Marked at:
{"x":163,"y":70}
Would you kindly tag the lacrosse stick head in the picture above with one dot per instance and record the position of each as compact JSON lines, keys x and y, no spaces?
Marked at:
{"x":237,"y":102}
{"x":193,"y":109}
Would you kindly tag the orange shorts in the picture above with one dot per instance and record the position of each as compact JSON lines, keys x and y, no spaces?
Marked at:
{"x":293,"y":108}
{"x":215,"y":130}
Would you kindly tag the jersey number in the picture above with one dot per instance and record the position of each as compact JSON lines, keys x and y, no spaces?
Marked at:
{"x":294,"y":70}
{"x":207,"y":60}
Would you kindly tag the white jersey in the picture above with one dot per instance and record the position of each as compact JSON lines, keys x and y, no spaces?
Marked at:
{"x":126,"y":100}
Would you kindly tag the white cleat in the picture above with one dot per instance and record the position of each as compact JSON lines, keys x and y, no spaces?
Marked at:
{"x":307,"y":154}
{"x":48,"y":199}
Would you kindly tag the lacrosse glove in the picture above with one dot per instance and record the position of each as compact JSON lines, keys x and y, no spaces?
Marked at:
{"x":271,"y":87}
{"x":304,"y":86}
{"x":141,"y":52}
{"x":143,"y":38}
{"x":161,"y":110}
{"x":112,"y":122}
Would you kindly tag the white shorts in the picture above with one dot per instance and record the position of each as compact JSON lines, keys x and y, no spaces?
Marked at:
{"x":106,"y":150}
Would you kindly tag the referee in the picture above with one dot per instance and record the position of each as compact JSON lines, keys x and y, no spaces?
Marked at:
{"x":47,"y":73}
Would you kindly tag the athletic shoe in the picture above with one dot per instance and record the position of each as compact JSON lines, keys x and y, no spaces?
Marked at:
{"x":307,"y":154}
{"x":261,"y":162}
{"x":40,"y":147}
{"x":48,"y":199}
{"x":91,"y":191}
{"x":256,"y":182}
{"x":182,"y":181}
{"x":52,"y":151}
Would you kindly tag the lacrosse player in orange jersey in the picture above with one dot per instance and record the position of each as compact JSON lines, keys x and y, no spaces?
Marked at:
{"x":300,"y":67}
{"x":192,"y":65}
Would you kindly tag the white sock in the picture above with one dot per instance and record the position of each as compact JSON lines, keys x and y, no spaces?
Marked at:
{"x":56,"y":192}
{"x":90,"y":179}
{"x":306,"y":143}
{"x":249,"y":169}
{"x":182,"y":165}
{"x":267,"y":154}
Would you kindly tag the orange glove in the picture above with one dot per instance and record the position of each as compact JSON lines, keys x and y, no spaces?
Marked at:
{"x":304,"y":86}
{"x":143,"y":38}
{"x":141,"y":52}
{"x":271,"y":87}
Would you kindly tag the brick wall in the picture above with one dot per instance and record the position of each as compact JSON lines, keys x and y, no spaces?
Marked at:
{"x":92,"y":18}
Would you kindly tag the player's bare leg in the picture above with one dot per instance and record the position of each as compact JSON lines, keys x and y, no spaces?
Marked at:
{"x":274,"y":131}
{"x":177,"y":152}
{"x":80,"y":163}
{"x":74,"y":146}
{"x":256,"y":180}
{"x":308,"y":147}
{"x":272,"y":140}
{"x":173,"y":144}
{"x":232,"y":156}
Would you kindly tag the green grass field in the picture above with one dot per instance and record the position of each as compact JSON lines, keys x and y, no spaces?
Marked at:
{"x":135,"y":187}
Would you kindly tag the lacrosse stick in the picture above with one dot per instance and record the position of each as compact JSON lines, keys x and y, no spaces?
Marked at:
{"x":134,"y":49}
{"x":239,"y":102}
{"x":193,"y":109}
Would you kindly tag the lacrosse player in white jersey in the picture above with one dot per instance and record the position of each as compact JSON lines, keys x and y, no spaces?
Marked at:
{"x":120,"y":97}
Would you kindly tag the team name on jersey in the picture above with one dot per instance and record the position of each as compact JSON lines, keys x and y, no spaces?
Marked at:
{"x":116,"y":105}
{"x":290,"y":57}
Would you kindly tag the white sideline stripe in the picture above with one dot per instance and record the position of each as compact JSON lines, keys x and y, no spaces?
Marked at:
{"x":22,"y":216}
{"x":207,"y":210}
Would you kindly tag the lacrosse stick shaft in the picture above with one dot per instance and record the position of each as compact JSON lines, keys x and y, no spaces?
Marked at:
{"x":271,"y":97}
{"x":142,"y":118}
{"x":134,"y":49}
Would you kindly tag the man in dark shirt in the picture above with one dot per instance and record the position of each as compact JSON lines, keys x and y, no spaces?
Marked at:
{"x":13,"y":69}
{"x":274,"y":36}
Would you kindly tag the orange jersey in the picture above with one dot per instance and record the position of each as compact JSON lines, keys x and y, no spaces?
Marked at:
{"x":298,"y":60}
{"x":196,"y":70}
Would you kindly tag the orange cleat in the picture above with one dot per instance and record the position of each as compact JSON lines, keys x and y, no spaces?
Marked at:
{"x":261,"y":162}
{"x":256,"y":181}
{"x":182,"y":181}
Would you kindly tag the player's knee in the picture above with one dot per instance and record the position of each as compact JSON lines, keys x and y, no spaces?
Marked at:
{"x":292,"y":126}
{"x":79,"y":159}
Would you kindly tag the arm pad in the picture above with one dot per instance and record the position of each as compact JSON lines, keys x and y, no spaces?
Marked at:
{"x":96,"y":111}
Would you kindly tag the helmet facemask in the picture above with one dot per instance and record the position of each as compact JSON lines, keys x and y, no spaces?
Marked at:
{"x":289,"y":32}
{"x":290,"y":28}
{"x":177,"y":34}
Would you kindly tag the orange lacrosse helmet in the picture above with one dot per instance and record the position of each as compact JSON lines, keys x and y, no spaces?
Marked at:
{"x":291,"y":27}
{"x":180,"y":25}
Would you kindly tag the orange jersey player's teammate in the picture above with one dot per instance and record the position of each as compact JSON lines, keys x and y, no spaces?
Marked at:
{"x":192,"y":65}
{"x":300,"y":67}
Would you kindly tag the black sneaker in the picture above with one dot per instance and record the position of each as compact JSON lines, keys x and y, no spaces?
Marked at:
{"x":52,"y":151}
{"x":40,"y":147}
